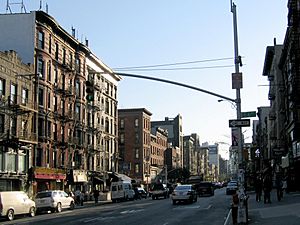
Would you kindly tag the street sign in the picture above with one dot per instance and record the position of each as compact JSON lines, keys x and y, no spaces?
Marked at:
{"x":248,"y":114}
{"x":239,"y":123}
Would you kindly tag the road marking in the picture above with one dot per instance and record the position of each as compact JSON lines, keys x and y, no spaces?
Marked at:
{"x":131,"y":211}
{"x":208,"y":207}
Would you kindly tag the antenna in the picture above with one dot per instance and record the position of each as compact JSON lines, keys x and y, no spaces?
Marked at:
{"x":47,"y":8}
{"x":40,"y":5}
{"x":9,"y":4}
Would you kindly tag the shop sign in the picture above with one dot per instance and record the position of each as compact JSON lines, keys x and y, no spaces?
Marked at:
{"x":79,"y":176}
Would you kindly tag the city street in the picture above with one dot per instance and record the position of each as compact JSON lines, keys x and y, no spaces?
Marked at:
{"x":207,"y":210}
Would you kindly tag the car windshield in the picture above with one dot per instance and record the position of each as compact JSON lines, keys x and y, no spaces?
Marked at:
{"x":43,"y":195}
{"x":182,"y":188}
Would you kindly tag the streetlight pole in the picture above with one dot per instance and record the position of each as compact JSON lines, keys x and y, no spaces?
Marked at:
{"x":237,"y":62}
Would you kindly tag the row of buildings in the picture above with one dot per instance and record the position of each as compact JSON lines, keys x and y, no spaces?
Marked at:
{"x":277,"y":132}
{"x":53,"y":137}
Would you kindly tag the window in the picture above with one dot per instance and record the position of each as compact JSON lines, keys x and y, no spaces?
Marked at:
{"x":13,"y":94}
{"x":55,"y":103}
{"x":77,"y":65}
{"x":77,"y":111}
{"x":137,"y":155}
{"x":41,"y":37}
{"x":122,"y":138}
{"x":49,"y":71}
{"x":2,"y":87}
{"x":50,"y":43}
{"x":13,"y":126}
{"x":49,"y":100}
{"x":40,"y":69}
{"x":137,"y":168}
{"x":77,"y":88}
{"x":70,"y":60}
{"x":137,"y":138}
{"x":136,"y":122}
{"x":55,"y":74}
{"x":41,"y":97}
{"x":107,"y":106}
{"x":24,"y":96}
{"x":64,"y":56}
{"x":2,"y":123}
{"x":121,"y":123}
{"x":56,"y":51}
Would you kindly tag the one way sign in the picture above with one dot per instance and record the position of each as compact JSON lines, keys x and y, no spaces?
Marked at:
{"x":239,"y":123}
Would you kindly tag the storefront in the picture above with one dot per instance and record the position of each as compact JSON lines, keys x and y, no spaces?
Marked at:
{"x":47,"y":179}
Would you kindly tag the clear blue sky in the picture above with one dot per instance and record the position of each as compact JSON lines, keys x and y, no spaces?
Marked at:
{"x":127,"y":33}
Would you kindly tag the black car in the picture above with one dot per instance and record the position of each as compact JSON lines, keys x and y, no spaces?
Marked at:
{"x":205,"y":188}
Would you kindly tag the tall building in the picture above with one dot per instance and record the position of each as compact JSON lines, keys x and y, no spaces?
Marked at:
{"x":189,"y":155}
{"x":77,"y":138}
{"x":135,"y":143}
{"x":213,"y":156}
{"x":175,"y":134}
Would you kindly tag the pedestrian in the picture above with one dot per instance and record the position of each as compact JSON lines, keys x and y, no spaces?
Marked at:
{"x":96,"y":195}
{"x":278,"y":183}
{"x":267,"y":187}
{"x":284,"y":185}
{"x":77,"y":196}
{"x":258,"y":188}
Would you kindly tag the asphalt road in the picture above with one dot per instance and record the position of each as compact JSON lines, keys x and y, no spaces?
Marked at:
{"x":207,"y":211}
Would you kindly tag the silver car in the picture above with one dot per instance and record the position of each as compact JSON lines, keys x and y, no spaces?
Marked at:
{"x":184,"y":193}
{"x":54,"y":200}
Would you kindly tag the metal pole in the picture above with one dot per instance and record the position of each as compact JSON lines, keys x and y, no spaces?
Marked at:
{"x":238,"y":94}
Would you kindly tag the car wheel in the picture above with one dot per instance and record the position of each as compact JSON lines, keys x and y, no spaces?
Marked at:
{"x":153,"y":197}
{"x":174,"y":202}
{"x":32,"y":211}
{"x":58,"y":207}
{"x":72,"y":205}
{"x":10,"y":214}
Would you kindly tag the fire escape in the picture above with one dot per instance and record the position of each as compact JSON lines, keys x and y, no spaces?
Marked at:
{"x":17,"y":135}
{"x":65,"y":115}
{"x":94,"y":127}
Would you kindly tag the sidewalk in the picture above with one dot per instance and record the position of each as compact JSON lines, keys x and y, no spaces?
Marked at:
{"x":286,"y":212}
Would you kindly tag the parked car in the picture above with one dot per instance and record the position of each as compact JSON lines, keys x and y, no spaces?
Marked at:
{"x":53,"y":200}
{"x":142,"y":192}
{"x":184,"y":193}
{"x":159,"y":190}
{"x":15,"y":203}
{"x":231,"y":188}
{"x":205,"y":188}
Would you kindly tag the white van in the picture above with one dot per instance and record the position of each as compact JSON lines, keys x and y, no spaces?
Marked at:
{"x":121,"y":191}
{"x":15,"y":203}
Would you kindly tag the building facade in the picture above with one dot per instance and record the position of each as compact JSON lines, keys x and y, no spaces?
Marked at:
{"x":135,"y":143}
{"x":17,"y":109}
{"x":175,"y":133}
{"x":67,"y":124}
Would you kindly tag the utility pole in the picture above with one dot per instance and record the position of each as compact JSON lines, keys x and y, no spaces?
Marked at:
{"x":238,"y":77}
{"x":237,"y":83}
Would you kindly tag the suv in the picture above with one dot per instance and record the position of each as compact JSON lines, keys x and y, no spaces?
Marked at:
{"x":159,"y":190}
{"x":205,"y":188}
{"x":54,"y":200}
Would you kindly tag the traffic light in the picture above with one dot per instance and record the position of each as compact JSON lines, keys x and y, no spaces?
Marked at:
{"x":89,"y":91}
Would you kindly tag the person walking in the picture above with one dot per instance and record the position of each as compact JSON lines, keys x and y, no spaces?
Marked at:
{"x":258,"y":188}
{"x":278,"y":183}
{"x":96,"y":195}
{"x":267,"y":187}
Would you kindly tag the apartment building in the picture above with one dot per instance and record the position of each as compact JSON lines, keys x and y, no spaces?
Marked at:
{"x":135,"y":143}
{"x":76,"y":137}
{"x":17,"y":111}
{"x":175,"y":134}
